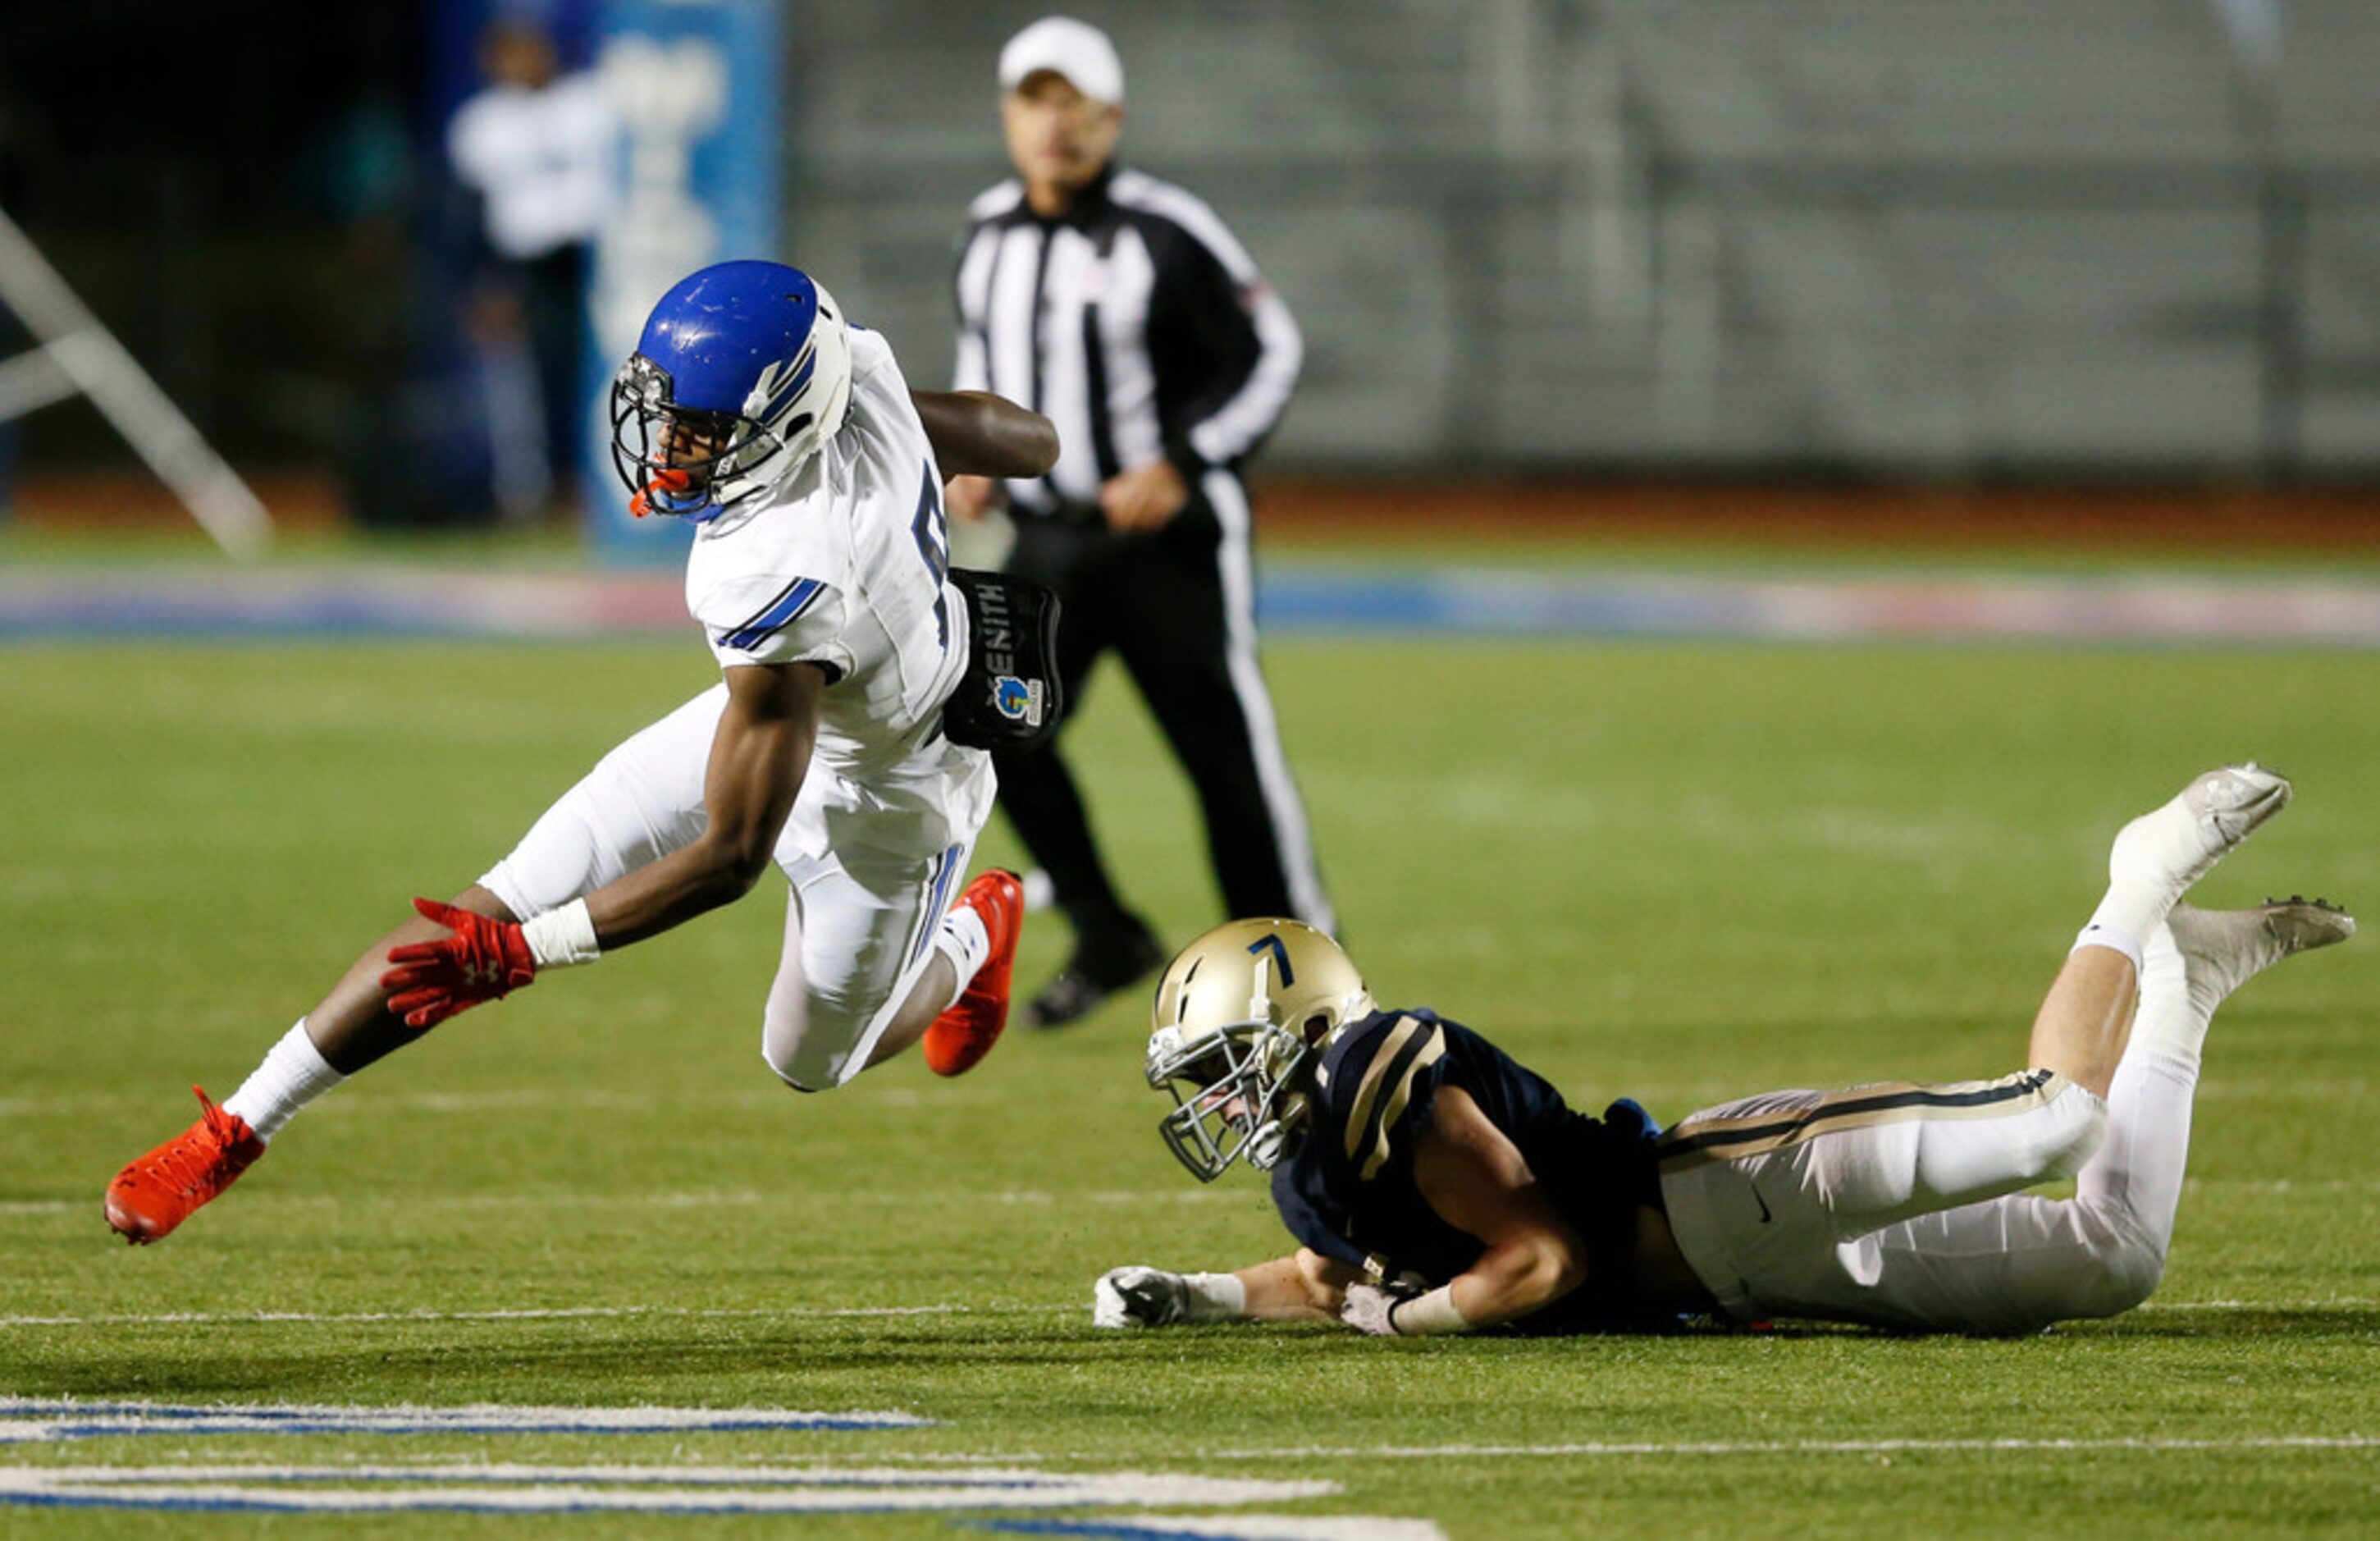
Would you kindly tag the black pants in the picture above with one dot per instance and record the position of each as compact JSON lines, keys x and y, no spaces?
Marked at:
{"x":1174,"y":605}
{"x":555,"y":310}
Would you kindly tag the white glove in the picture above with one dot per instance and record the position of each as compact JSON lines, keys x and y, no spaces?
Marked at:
{"x":1366,"y":1309}
{"x":1151,"y":1297}
{"x":1140,"y":1297}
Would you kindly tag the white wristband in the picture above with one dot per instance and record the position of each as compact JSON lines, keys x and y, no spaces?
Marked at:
{"x":1427,"y":1315}
{"x":560,"y":938}
{"x":1216,"y":1297}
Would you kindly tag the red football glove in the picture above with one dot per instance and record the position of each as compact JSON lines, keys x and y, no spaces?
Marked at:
{"x":484,"y":960}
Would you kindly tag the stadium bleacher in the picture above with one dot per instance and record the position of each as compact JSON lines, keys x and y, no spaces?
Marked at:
{"x":1902,"y":235}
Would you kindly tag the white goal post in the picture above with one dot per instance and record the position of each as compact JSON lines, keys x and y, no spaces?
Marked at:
{"x":76,"y":355}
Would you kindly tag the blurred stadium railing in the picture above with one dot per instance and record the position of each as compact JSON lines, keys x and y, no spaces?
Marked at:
{"x":1958,"y":241}
{"x":1939,"y":236}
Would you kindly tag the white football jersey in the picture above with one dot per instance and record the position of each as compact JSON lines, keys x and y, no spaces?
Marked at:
{"x":846,"y":564}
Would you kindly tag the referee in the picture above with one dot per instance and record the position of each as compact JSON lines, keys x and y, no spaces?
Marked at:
{"x":1120,"y":307}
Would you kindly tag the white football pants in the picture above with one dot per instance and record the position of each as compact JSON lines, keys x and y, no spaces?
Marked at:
{"x":872,"y":868}
{"x":1897,"y":1205}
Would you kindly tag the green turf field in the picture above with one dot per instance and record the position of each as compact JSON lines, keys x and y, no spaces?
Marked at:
{"x":1684,"y":872}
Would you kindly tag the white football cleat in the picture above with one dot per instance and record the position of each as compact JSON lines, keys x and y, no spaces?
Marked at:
{"x":2222,"y":950}
{"x":2178,"y":843}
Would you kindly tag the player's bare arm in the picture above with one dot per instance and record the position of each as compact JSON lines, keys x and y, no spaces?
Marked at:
{"x":1478,"y":1181}
{"x":1304,"y":1286}
{"x":758,"y":759}
{"x":979,"y":433}
{"x":758,"y":755}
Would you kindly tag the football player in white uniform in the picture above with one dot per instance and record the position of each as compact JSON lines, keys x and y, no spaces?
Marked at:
{"x":820,"y":572}
{"x":1436,"y":1185}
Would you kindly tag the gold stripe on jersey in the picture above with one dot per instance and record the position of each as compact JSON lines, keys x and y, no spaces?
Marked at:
{"x":1375,"y":1076}
{"x":1410,"y":1046}
{"x":1701,"y":1140}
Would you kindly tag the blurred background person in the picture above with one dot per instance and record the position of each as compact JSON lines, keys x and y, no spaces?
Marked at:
{"x":1123,"y":308}
{"x":539,"y":149}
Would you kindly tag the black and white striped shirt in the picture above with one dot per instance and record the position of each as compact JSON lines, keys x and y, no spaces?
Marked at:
{"x":1135,"y":321}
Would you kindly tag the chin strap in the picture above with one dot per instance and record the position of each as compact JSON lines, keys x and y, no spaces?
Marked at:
{"x":1265,"y":1146}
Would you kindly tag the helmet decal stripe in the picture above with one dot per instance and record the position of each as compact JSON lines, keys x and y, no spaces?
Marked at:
{"x":780,"y":396}
{"x":1279,"y":957}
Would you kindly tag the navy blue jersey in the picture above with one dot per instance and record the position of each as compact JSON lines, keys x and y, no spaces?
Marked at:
{"x":1348,"y":1190}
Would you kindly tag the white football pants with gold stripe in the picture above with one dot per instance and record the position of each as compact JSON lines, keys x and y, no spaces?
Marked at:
{"x":1898,"y":1204}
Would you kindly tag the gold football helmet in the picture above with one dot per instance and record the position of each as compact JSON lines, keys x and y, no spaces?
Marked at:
{"x":1240,"y":1014}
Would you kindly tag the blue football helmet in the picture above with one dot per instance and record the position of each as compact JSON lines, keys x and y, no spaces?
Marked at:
{"x":743,"y":371}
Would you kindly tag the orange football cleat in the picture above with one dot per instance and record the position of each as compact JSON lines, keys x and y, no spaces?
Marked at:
{"x":966,"y":1033}
{"x":160,"y":1190}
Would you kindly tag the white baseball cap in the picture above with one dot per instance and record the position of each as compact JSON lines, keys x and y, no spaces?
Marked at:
{"x":1074,"y":49}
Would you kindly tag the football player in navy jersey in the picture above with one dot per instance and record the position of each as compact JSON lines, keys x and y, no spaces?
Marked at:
{"x":1436,"y":1185}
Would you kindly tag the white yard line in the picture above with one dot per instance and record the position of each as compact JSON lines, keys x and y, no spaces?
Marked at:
{"x":2338,"y":1303}
{"x":1779,"y":1447}
{"x":568,"y":1313}
{"x":939,"y":1198}
{"x":362,"y":1107}
{"x":701,"y":1198}
{"x":507,"y":1099}
{"x":1651,"y":1448}
{"x":947,"y":1482}
{"x":525,"y":1313}
{"x":658,"y":1489}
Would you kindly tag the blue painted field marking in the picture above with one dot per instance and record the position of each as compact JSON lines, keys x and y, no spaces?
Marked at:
{"x":34,"y":1420}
